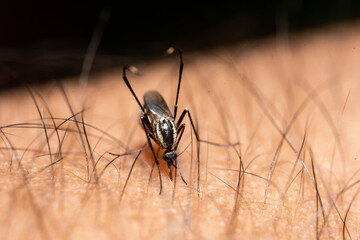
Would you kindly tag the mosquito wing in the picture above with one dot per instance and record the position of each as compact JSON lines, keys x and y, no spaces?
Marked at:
{"x":155,"y":107}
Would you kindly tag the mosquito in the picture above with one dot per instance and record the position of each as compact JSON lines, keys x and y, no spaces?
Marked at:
{"x":160,"y":124}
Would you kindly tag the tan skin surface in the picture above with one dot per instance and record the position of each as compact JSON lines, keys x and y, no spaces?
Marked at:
{"x":292,"y":100}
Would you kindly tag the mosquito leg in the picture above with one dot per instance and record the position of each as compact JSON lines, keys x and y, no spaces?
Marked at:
{"x":151,"y":172}
{"x":180,"y":131}
{"x":128,"y":177}
{"x":198,"y":140}
{"x":147,"y":123}
{"x":129,"y":86}
{"x":178,"y":166}
{"x":148,"y":136}
{"x":181,"y":66}
{"x":181,"y":118}
{"x":152,"y":169}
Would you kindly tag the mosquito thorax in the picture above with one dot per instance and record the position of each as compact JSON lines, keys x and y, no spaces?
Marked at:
{"x":165,"y":132}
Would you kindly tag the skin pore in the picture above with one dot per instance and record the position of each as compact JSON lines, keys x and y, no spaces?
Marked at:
{"x":291,"y":102}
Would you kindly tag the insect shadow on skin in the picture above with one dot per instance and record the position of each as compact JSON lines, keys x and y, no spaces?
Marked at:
{"x":160,"y":125}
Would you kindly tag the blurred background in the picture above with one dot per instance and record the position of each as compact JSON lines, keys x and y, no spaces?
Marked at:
{"x":42,"y":40}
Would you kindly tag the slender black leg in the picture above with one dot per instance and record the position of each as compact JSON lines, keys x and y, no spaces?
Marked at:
{"x":181,"y":118}
{"x":181,"y":67}
{"x":198,"y":140}
{"x":152,"y":168}
{"x":147,"y":123}
{"x":151,"y":172}
{"x":153,"y":138}
{"x":130,"y":88}
{"x":180,"y":131}
{"x":128,"y":177}
{"x":178,"y":166}
{"x":153,"y":152}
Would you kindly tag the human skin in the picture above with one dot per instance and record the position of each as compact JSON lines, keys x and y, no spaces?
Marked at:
{"x":291,"y":100}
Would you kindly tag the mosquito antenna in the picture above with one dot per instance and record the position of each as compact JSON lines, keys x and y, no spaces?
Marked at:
{"x":170,"y":51}
{"x":134,"y":70}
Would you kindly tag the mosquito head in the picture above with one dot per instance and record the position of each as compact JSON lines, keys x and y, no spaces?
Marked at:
{"x":170,"y":156}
